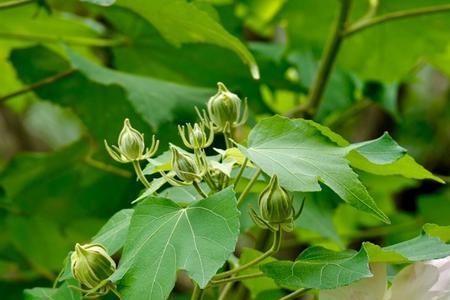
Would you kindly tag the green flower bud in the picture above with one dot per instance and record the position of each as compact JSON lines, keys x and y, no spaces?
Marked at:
{"x":184,"y":166}
{"x":91,"y":265}
{"x":131,"y":142}
{"x":224,"y":108}
{"x":275,"y":204}
{"x":196,"y":137}
{"x":131,"y":146}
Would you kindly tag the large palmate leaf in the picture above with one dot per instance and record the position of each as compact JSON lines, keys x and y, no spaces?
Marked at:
{"x":423,"y":247}
{"x":301,"y":156}
{"x":64,"y":292}
{"x":364,"y":160}
{"x":164,"y":237}
{"x":320,"y":268}
{"x":181,"y":22}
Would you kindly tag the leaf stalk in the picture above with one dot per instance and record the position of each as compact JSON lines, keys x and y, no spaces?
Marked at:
{"x":277,"y":237}
{"x":248,"y":187}
{"x":369,"y":22}
{"x":37,"y":84}
{"x":15,"y":3}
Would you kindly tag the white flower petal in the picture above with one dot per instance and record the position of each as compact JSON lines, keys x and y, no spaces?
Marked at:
{"x":414,"y":283}
{"x":443,"y":282}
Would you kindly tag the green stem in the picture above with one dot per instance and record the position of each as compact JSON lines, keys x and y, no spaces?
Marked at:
{"x":140,"y":174}
{"x":199,"y":189}
{"x":11,"y":4}
{"x":115,"y":292}
{"x":369,"y":22}
{"x":241,"y":171}
{"x":226,"y":289}
{"x":71,"y":40}
{"x":226,"y":136}
{"x":237,"y":278}
{"x":209,"y":181}
{"x":327,"y":62}
{"x":273,"y":249}
{"x":37,"y":84}
{"x":294,"y":295}
{"x":248,"y":187}
{"x":446,"y":178}
{"x":197,"y":294}
{"x":200,"y":156}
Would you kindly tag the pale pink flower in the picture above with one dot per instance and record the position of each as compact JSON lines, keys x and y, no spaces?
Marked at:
{"x":428,"y":280}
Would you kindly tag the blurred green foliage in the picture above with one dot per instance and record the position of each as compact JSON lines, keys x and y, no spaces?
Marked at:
{"x":153,"y":61}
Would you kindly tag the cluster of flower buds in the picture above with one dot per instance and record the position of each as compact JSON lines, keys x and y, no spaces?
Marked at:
{"x":196,"y":138}
{"x":92,"y":266}
{"x":276,"y":208}
{"x":224,"y":110}
{"x":131,"y":145}
{"x":185,"y":167}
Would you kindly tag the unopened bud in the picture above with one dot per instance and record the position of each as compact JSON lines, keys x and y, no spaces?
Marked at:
{"x":224,"y":108}
{"x":197,"y":136}
{"x":91,"y":265}
{"x":184,"y":166}
{"x":131,"y":146}
{"x":131,"y":142}
{"x":276,"y":208}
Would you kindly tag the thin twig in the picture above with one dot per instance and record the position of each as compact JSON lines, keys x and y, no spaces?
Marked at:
{"x":38,"y":84}
{"x":226,"y":289}
{"x":241,"y":171}
{"x":369,"y":22}
{"x":248,"y":187}
{"x":197,"y":294}
{"x":15,"y":3}
{"x":237,"y":278}
{"x":294,"y":295}
{"x":199,"y":189}
{"x":70,"y":40}
{"x":273,"y":249}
